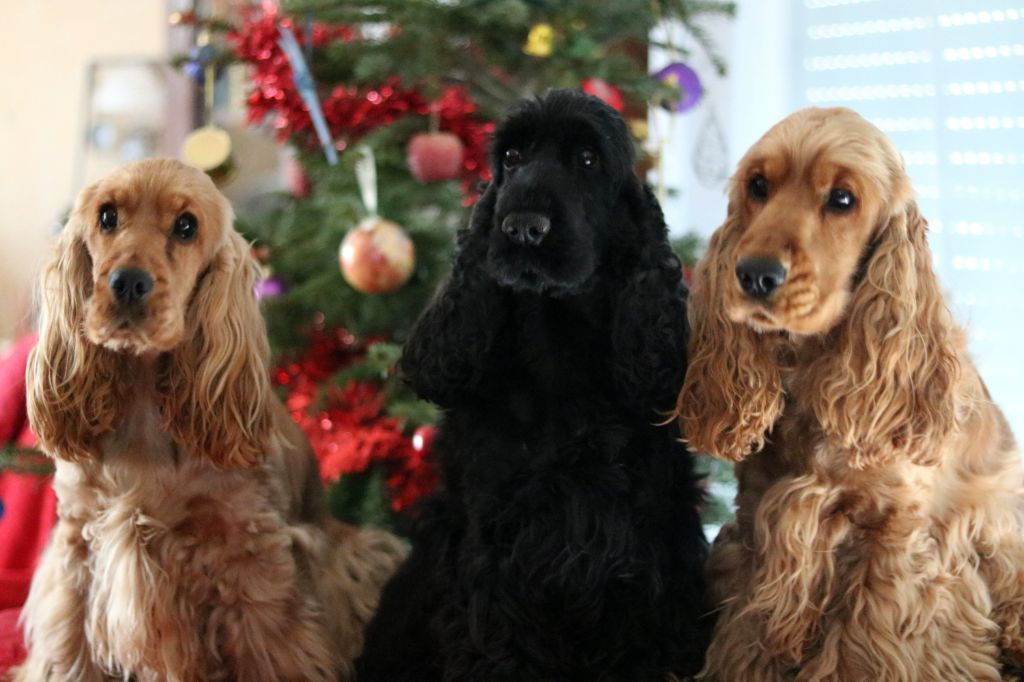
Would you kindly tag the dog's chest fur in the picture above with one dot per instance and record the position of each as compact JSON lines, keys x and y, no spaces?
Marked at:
{"x":551,"y":396}
{"x":892,"y":557}
{"x":551,"y":462}
{"x":556,"y":350}
{"x":161,"y":533}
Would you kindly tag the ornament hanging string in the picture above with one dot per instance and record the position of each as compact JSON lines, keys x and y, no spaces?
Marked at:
{"x":209,"y":79}
{"x":209,"y":146}
{"x":366,"y":178}
{"x":376,"y":256}
{"x":307,"y":90}
{"x":209,"y":76}
{"x":664,"y":141}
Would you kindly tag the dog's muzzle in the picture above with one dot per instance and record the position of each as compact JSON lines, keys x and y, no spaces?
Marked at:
{"x":527,"y":228}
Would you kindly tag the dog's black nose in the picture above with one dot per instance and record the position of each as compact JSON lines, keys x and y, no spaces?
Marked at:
{"x":528,"y":229}
{"x":760,"y":277}
{"x":130,"y":285}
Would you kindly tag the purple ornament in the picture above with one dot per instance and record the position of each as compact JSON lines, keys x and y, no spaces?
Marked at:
{"x":681,"y":76}
{"x":270,"y":287}
{"x":195,"y":71}
{"x":199,"y":57}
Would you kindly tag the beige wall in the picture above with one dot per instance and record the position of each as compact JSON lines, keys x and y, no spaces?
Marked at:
{"x":45,"y":46}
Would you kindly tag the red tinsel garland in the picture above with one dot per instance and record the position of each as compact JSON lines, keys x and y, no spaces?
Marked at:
{"x":351,"y":112}
{"x":457,"y":113}
{"x":273,"y":90}
{"x":346,"y":426}
{"x":351,"y":434}
{"x":414,"y":477}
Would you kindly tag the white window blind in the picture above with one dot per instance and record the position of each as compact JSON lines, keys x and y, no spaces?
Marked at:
{"x":945,"y":80}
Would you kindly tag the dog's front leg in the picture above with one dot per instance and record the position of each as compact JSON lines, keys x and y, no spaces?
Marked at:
{"x":1001,"y":550}
{"x":736,"y":650}
{"x":1005,"y":577}
{"x":771,"y":576}
{"x":401,"y":643}
{"x":500,"y":648}
{"x":55,"y":614}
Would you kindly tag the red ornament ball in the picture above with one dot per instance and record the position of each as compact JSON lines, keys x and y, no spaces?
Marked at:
{"x":433,"y":157}
{"x":422,"y":437}
{"x":604,"y":91}
{"x":377,"y":256}
{"x":296,"y":179}
{"x":688,"y":275}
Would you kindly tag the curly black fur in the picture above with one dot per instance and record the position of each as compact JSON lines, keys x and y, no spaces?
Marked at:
{"x":565,"y":542}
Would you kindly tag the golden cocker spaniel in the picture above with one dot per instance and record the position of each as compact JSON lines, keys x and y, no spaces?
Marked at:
{"x":881,"y":501}
{"x":193,"y":541}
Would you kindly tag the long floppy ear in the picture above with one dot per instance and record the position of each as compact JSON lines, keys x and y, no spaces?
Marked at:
{"x":649,"y":328}
{"x":75,"y":388}
{"x":732,"y":394}
{"x":886,"y":389}
{"x":447,"y":354}
{"x":216,"y":384}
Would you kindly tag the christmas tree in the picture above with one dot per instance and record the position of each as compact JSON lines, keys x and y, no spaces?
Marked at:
{"x":406,"y":91}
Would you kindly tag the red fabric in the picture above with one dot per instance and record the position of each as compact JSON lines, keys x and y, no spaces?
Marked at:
{"x":13,"y":419}
{"x":12,"y":646}
{"x":30,"y":510}
{"x":29,"y":505}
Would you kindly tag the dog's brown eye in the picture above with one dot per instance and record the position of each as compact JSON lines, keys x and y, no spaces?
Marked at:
{"x":512,"y":157}
{"x":758,"y":188}
{"x":588,"y":158}
{"x":108,"y":217}
{"x":840,"y":200}
{"x":185,"y":226}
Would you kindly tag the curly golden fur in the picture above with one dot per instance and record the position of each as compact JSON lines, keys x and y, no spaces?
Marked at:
{"x":193,"y":540}
{"x":880,"y":509}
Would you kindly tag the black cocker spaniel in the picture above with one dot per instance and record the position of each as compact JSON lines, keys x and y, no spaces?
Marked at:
{"x":564,"y":543}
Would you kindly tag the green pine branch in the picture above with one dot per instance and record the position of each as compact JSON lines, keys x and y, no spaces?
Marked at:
{"x":25,"y":460}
